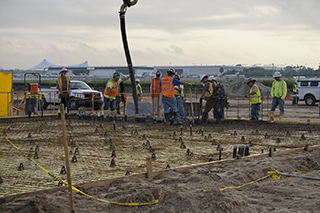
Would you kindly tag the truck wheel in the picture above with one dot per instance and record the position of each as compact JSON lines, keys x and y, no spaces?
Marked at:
{"x":310,"y":100}
{"x":73,"y":105}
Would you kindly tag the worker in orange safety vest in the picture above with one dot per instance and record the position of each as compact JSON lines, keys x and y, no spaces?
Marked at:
{"x":167,"y":85}
{"x":111,"y":92}
{"x":155,"y":93}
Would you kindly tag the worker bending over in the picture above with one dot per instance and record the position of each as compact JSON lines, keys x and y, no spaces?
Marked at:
{"x":210,"y":94}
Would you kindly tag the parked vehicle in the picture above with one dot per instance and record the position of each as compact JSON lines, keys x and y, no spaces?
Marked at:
{"x":308,"y":90}
{"x":81,"y":94}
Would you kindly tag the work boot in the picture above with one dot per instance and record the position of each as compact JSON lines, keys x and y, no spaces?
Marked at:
{"x":114,"y":114}
{"x":166,"y":119}
{"x":105,"y":112}
{"x":204,"y":118}
{"x":218,"y":115}
{"x":281,"y":116}
{"x":271,"y":116}
{"x":176,"y":120}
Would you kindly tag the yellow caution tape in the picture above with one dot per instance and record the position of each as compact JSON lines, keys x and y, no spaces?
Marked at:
{"x":274,"y":175}
{"x":238,"y":187}
{"x":77,"y":190}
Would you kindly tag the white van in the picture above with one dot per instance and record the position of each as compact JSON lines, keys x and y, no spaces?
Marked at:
{"x":308,"y":90}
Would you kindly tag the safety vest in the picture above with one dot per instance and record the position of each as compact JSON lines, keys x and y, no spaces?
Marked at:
{"x":139,"y":89}
{"x":210,"y":89}
{"x":155,"y":87}
{"x":59,"y":80}
{"x":177,"y":92}
{"x":167,"y":87}
{"x":114,"y":90}
{"x":294,"y":89}
{"x":279,"y":89}
{"x":256,"y":98}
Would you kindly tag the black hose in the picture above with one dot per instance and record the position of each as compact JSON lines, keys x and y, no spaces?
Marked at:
{"x":129,"y":62}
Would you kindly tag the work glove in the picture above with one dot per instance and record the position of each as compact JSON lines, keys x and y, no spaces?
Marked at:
{"x":110,"y":99}
{"x":190,"y":85}
{"x":200,"y":101}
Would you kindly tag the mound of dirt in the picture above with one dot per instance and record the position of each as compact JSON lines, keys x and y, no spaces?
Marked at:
{"x":239,"y":86}
{"x":198,"y":189}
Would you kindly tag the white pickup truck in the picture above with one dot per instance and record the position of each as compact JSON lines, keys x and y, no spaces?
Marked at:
{"x":308,"y":90}
{"x":81,"y":94}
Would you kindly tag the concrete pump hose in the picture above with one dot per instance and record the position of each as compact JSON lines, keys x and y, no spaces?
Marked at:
{"x":126,"y":4}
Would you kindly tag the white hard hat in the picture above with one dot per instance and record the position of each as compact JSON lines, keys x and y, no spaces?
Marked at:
{"x":212,"y":78}
{"x":202,"y":77}
{"x":63,"y":70}
{"x":277,"y":74}
{"x":251,"y":80}
{"x":137,"y":80}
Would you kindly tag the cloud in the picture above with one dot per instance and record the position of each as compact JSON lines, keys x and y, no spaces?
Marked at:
{"x":158,"y":32}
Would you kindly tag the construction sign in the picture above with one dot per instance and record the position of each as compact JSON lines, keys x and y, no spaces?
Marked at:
{"x":5,"y":93}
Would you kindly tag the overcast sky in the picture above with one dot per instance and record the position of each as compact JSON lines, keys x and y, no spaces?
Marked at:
{"x":160,"y":32}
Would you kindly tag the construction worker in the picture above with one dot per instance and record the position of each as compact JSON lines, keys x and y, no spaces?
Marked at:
{"x":209,"y":93}
{"x":63,"y":87}
{"x":167,"y":85}
{"x":255,"y":98}
{"x":178,"y":93}
{"x":122,"y":97}
{"x":278,"y":92}
{"x":111,"y":92}
{"x":155,"y":93}
{"x":139,"y":90}
{"x":222,"y":96}
{"x":294,"y":89}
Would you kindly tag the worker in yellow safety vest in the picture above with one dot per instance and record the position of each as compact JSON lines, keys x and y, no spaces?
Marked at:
{"x":210,"y":94}
{"x":63,"y":87}
{"x":139,"y":90}
{"x":255,"y":98}
{"x":279,"y":93}
{"x":294,"y":90}
{"x":111,"y":92}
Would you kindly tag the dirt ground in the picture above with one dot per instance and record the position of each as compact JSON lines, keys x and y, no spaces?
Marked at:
{"x":198,"y":189}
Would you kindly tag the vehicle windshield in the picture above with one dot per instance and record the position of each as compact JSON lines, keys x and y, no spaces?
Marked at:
{"x":80,"y":85}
